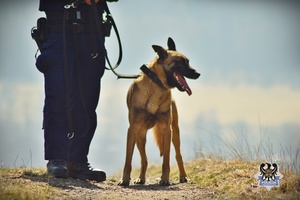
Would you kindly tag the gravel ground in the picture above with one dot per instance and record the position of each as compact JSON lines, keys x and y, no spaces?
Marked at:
{"x":34,"y":184}
{"x":151,"y":190}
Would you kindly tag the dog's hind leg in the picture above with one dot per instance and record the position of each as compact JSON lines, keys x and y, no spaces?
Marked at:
{"x":162,"y":134}
{"x":176,"y":143}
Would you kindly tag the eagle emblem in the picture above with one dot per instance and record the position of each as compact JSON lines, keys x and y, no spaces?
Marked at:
{"x":268,"y":175}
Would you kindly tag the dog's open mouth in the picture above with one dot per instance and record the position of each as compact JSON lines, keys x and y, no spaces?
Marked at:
{"x":182,"y":84}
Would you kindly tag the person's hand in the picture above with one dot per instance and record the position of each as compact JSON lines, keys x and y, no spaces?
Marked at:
{"x":90,"y":3}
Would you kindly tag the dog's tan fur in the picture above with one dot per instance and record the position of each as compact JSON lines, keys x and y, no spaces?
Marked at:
{"x":151,"y":106}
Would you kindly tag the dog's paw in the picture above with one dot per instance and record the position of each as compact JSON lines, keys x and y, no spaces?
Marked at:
{"x":123,"y":183}
{"x":164,"y":183}
{"x":183,"y":179}
{"x":139,"y":181}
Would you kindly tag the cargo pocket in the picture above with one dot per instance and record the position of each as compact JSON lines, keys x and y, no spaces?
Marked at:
{"x":46,"y":59}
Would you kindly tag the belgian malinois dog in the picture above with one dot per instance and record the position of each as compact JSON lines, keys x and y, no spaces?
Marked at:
{"x":150,"y":105}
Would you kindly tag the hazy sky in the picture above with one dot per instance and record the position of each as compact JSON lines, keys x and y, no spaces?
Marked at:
{"x":248,"y":54}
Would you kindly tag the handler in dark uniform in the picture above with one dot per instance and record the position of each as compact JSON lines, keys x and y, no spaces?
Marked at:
{"x":72,"y":61}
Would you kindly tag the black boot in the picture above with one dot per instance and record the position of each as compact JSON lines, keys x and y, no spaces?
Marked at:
{"x":57,"y":168}
{"x":84,"y":171}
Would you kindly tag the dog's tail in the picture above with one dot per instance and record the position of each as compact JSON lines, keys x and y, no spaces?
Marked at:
{"x":158,"y":139}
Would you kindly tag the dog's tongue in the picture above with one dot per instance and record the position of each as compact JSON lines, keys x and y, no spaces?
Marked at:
{"x":180,"y":79}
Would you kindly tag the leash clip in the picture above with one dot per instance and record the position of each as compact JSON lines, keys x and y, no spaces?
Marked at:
{"x":70,"y":135}
{"x":74,"y":4}
{"x":68,"y":6}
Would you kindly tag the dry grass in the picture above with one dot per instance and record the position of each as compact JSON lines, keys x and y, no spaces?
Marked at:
{"x":22,"y":183}
{"x":235,"y":179}
{"x":231,"y":179}
{"x":239,"y":147}
{"x":208,"y":179}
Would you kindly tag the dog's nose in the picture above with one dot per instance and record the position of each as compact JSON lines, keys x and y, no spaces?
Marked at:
{"x":196,"y":75}
{"x":193,"y":75}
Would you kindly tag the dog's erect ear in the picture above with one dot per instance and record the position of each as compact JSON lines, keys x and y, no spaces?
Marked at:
{"x":171,"y":44}
{"x":162,"y":53}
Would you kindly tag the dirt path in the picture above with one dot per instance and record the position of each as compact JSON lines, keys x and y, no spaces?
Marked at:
{"x":28,"y":184}
{"x":110,"y":190}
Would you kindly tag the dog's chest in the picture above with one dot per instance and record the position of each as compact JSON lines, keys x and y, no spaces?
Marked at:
{"x":158,"y":103}
{"x":147,"y":96}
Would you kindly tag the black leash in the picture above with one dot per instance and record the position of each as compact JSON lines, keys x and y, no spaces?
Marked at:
{"x":98,"y":22}
{"x":74,"y":5}
{"x":144,"y":68}
{"x":70,"y":135}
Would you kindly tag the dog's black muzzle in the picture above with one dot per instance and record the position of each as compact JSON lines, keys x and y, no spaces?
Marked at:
{"x":192,"y":74}
{"x":188,"y":72}
{"x":176,"y":78}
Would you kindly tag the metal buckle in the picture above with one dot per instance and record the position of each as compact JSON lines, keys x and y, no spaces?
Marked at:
{"x":68,"y":6}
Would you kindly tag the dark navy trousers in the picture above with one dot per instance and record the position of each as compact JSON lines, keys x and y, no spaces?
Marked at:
{"x":84,"y":75}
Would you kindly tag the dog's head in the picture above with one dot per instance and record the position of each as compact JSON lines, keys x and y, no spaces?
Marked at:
{"x":176,"y":67}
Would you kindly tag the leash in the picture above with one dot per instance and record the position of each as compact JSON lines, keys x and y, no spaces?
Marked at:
{"x":74,"y":5}
{"x":98,"y":22}
{"x":70,"y":135}
{"x":144,"y":68}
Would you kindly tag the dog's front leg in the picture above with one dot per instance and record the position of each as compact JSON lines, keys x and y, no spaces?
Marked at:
{"x":141,"y":144}
{"x":166,"y":159}
{"x":129,"y":152}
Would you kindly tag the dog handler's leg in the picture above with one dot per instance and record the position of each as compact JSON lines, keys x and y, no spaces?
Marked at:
{"x":129,"y":152}
{"x":176,"y":143}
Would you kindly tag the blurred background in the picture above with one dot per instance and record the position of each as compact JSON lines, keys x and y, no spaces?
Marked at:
{"x":248,"y":95}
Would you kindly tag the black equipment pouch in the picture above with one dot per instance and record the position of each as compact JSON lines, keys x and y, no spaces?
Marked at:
{"x":40,"y":32}
{"x":107,"y":26}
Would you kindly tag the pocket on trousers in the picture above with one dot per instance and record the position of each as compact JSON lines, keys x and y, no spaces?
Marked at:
{"x":46,"y":59}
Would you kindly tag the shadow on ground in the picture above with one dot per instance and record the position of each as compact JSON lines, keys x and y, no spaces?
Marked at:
{"x":62,"y":183}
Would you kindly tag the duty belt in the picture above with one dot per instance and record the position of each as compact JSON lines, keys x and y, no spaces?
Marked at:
{"x":78,"y":18}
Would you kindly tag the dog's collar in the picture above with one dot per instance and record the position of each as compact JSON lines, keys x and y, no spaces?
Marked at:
{"x":152,"y":75}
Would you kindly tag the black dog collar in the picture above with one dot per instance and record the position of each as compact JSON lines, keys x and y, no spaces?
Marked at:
{"x":152,"y":75}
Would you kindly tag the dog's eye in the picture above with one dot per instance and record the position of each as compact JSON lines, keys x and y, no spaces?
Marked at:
{"x":183,"y":62}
